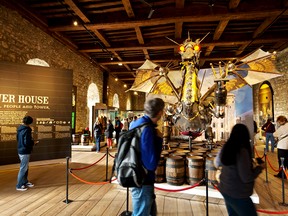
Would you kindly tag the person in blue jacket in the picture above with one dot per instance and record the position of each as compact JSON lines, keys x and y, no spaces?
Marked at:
{"x":143,"y":199}
{"x":25,"y":147}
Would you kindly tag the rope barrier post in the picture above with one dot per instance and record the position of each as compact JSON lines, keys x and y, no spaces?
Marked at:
{"x":266,"y":171}
{"x":190,"y":143}
{"x":283,"y":188}
{"x":67,"y":201}
{"x":206,"y":183}
{"x":127,"y":212}
{"x":107,"y":154}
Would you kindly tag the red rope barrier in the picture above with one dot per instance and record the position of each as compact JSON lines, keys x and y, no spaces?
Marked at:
{"x":285,"y":173}
{"x":272,"y":167}
{"x":272,"y":212}
{"x":87,"y":182}
{"x":111,"y":155}
{"x":81,"y":168}
{"x":215,"y":186}
{"x":178,"y":190}
{"x":258,"y":154}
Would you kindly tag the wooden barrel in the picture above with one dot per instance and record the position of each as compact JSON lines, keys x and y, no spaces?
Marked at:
{"x":160,"y":171}
{"x":75,"y":139}
{"x":209,"y":165}
{"x":195,"y":169}
{"x":85,"y":139}
{"x":175,"y":170}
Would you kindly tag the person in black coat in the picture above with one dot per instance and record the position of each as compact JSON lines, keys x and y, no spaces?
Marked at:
{"x":25,"y":148}
{"x":97,"y":130}
{"x":109,"y":133}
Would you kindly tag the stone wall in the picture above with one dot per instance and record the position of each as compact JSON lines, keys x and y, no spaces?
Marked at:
{"x":21,"y":41}
{"x":279,"y":87}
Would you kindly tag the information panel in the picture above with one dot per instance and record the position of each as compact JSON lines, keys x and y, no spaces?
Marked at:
{"x":46,"y":95}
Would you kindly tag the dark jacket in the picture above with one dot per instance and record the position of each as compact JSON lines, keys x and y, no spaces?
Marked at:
{"x":151,"y":146}
{"x":109,"y":131}
{"x":24,"y":139}
{"x":268,"y":127}
{"x":97,"y":129}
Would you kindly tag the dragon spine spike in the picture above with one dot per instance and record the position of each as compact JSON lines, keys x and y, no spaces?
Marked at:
{"x":220,"y":69}
{"x":204,"y":37}
{"x":173,"y":41}
{"x":213,"y":69}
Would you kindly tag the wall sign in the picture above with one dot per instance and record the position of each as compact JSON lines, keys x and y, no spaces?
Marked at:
{"x":46,"y":95}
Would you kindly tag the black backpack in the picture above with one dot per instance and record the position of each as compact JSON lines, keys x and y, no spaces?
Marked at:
{"x":128,"y":167}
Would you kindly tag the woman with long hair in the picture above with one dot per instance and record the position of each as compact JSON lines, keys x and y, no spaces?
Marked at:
{"x":238,"y":173}
{"x":282,"y":136}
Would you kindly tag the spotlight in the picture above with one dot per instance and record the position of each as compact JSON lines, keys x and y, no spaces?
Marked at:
{"x":116,"y":79}
{"x":120,"y":64}
{"x":111,"y":58}
{"x":150,"y":13}
{"x":75,"y":23}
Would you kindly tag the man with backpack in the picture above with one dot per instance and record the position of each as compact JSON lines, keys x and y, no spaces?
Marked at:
{"x":143,"y":198}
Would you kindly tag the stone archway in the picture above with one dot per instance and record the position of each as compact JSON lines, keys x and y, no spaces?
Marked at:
{"x":116,"y":101}
{"x":265,"y":102}
{"x":92,"y":98}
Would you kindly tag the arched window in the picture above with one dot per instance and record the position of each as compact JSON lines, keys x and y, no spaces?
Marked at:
{"x":92,"y":98}
{"x":266,"y":107}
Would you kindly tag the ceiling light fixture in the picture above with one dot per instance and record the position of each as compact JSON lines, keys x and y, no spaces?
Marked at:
{"x":75,"y":23}
{"x":151,"y":8}
{"x":120,"y":64}
{"x":150,"y":13}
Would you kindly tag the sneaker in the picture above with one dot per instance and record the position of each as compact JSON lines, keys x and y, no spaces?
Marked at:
{"x":29,"y":184}
{"x":22,"y":188}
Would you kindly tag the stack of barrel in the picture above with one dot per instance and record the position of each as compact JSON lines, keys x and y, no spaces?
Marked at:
{"x":179,"y":165}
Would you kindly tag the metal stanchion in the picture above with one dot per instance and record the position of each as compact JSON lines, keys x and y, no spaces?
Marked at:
{"x":67,"y":180}
{"x":190,"y":143}
{"x":206,"y":182}
{"x":107,"y":154}
{"x":127,"y":212}
{"x":283,"y":179}
{"x":265,"y":155}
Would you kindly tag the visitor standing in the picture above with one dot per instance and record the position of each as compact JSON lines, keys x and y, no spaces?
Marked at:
{"x":269,"y":129}
{"x":238,"y":173}
{"x":25,"y":148}
{"x":143,"y":198}
{"x":117,"y":129}
{"x":109,"y":134}
{"x":97,"y":130}
{"x":282,"y":145}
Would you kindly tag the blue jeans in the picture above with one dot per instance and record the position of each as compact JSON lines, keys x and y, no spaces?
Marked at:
{"x":23,"y":172}
{"x":97,"y":142}
{"x":269,"y":136}
{"x":239,"y":207}
{"x":143,"y":201}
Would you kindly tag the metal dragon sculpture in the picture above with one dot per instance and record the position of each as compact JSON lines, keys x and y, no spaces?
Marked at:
{"x":193,"y":113}
{"x":186,"y":108}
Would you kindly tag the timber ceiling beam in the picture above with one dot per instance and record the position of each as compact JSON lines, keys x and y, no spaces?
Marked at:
{"x":77,"y":11}
{"x":234,"y":4}
{"x":216,"y":43}
{"x":161,"y":21}
{"x":128,"y":8}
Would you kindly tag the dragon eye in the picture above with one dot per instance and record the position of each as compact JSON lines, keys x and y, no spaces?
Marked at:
{"x":197,"y":48}
{"x":182,"y":48}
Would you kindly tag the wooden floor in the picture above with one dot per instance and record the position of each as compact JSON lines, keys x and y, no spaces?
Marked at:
{"x":48,"y":197}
